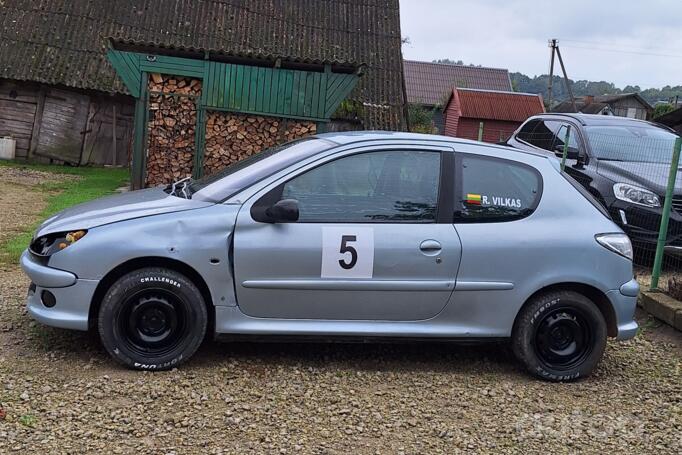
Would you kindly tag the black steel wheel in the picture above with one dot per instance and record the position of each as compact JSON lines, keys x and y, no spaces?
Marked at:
{"x":560,"y":336}
{"x":152,"y":319}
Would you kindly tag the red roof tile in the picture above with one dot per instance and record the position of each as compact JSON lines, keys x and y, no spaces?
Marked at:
{"x":496,"y":105}
{"x":429,"y":83}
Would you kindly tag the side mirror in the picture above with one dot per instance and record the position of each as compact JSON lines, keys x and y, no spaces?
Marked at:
{"x":283,"y":211}
{"x":571,"y":154}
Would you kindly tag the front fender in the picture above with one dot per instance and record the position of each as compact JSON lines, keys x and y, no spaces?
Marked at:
{"x":199,"y":238}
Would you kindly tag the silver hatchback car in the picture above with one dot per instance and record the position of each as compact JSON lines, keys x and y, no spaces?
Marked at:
{"x":367,"y":235}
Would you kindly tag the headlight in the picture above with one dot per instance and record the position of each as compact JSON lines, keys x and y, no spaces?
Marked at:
{"x":618,"y":243}
{"x":49,"y":244}
{"x":636,"y":195}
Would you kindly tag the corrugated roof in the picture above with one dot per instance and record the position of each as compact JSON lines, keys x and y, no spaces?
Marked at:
{"x":496,"y":105}
{"x":594,"y":104}
{"x":63,"y":41}
{"x":430,"y":83}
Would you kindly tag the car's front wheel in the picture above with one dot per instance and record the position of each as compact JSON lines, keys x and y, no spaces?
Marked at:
{"x":152,"y":319}
{"x":559,"y":336}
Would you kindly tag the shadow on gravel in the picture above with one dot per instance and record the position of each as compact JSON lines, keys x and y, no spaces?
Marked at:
{"x":401,"y":356}
{"x":404,"y":357}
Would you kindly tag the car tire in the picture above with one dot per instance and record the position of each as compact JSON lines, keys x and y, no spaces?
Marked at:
{"x":152,"y":319}
{"x":559,"y":336}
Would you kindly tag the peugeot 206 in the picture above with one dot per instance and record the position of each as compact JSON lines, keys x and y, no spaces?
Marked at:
{"x":353,"y":236}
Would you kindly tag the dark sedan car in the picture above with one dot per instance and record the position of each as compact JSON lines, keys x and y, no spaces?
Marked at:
{"x":622,"y":162}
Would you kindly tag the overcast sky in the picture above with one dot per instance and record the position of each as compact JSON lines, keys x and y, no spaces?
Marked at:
{"x":513,"y":34}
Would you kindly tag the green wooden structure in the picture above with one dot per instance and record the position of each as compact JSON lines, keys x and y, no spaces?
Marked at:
{"x":258,"y":90}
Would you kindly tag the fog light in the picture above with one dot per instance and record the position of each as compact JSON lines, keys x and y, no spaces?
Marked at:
{"x":48,"y":299}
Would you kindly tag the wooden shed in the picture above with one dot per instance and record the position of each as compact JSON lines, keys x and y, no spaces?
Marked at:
{"x":196,"y":76}
{"x":488,"y":114}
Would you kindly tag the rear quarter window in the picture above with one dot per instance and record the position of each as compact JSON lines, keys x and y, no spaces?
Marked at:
{"x":494,"y":189}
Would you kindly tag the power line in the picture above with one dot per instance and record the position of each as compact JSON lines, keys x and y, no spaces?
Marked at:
{"x":624,"y":51}
{"x":620,"y":45}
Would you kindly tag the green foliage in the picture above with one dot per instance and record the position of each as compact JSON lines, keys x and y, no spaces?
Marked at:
{"x":28,"y":420}
{"x":421,"y":119}
{"x":94,"y":183}
{"x":538,"y":84}
{"x":447,"y":61}
{"x":349,"y":110}
{"x":662,"y":109}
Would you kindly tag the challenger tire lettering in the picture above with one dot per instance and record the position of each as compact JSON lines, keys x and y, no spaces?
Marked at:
{"x":160,"y":280}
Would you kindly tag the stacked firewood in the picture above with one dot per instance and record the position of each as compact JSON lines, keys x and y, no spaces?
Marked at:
{"x":171,"y":127}
{"x":231,"y":137}
{"x":161,"y":83}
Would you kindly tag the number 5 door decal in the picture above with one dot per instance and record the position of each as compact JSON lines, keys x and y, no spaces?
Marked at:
{"x":347,"y":252}
{"x":345,"y":248}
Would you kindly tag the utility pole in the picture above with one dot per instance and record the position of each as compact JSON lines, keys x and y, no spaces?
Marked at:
{"x":554,"y":44}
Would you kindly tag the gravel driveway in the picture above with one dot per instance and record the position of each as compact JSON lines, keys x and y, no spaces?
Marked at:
{"x":60,"y":393}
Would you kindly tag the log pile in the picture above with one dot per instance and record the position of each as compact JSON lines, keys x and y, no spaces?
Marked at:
{"x":171,"y":127}
{"x":231,"y":137}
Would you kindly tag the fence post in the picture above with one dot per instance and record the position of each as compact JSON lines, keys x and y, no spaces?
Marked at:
{"x":480,"y":132}
{"x":566,"y":139}
{"x":665,"y":217}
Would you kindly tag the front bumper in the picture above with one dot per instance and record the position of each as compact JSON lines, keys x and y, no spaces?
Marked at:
{"x":72,"y":295}
{"x":642,"y":224}
{"x":624,"y":302}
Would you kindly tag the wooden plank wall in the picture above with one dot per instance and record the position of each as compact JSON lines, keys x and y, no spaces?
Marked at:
{"x":63,"y":125}
{"x":51,"y":123}
{"x":98,"y":144}
{"x":18,"y":104}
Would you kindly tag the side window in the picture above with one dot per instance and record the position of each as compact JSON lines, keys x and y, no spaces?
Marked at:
{"x":526,"y":132}
{"x":495,"y":190}
{"x":392,"y":186}
{"x":573,"y":138}
{"x":544,"y":135}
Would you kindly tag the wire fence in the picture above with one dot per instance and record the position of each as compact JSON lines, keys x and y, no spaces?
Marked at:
{"x":631,"y":170}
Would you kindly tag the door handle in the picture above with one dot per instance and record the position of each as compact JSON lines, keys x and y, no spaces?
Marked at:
{"x":430,"y":247}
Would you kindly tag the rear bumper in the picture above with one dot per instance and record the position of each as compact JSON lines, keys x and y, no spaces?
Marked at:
{"x":624,"y":302}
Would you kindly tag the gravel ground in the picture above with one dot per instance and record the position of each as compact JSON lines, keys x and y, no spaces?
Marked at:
{"x":60,"y":393}
{"x":18,"y":204}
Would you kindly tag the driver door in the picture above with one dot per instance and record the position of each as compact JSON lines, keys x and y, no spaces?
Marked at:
{"x":370,"y":243}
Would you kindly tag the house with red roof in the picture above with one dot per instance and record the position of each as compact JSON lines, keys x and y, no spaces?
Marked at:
{"x":429,"y":84}
{"x":489,"y":114}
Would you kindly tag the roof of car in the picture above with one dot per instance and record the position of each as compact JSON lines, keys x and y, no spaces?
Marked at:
{"x":350,"y":137}
{"x":594,"y":119}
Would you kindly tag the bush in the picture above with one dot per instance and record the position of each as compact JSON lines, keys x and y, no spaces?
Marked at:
{"x":421,"y":119}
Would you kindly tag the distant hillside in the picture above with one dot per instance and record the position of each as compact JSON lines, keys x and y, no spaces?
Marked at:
{"x":538,"y":84}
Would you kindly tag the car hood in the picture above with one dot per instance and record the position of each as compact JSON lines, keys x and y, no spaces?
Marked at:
{"x":110,"y":209}
{"x":652,"y":176}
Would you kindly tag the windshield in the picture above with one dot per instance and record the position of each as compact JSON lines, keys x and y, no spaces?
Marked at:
{"x":645,"y":143}
{"x":242,"y":174}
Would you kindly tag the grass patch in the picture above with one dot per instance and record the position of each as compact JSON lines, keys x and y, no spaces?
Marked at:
{"x":28,"y":420}
{"x":93,"y":183}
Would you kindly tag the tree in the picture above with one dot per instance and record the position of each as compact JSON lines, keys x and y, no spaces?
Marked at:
{"x":421,"y":119}
{"x":662,"y":109}
{"x":447,"y":61}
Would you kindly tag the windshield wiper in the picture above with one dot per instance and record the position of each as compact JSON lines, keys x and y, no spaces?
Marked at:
{"x":181,"y":188}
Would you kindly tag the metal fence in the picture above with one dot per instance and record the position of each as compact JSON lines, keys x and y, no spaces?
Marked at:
{"x":632,"y":171}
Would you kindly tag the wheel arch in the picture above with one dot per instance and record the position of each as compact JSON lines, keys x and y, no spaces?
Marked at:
{"x":151,"y":261}
{"x":599,"y":298}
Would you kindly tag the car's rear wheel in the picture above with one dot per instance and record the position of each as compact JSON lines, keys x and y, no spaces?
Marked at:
{"x":152,"y":319}
{"x":560,"y":336}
